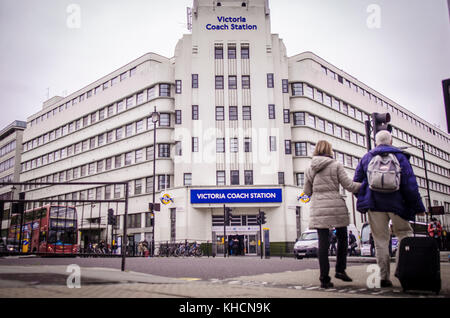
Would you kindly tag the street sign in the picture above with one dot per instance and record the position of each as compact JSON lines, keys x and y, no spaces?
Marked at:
{"x":437,"y":210}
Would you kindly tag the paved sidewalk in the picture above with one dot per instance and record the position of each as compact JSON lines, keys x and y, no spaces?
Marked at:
{"x":51,"y":282}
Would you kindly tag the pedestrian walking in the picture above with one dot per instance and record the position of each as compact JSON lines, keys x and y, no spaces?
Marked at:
{"x":328,"y":209}
{"x":435,"y":231}
{"x":395,"y":198}
{"x":352,"y":243}
{"x":333,"y":241}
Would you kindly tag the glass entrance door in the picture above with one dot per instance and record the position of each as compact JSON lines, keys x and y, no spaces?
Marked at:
{"x":251,"y":244}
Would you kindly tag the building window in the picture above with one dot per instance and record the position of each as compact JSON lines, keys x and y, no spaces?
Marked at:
{"x":164,"y":120}
{"x":128,"y":158}
{"x":299,"y":119}
{"x":218,"y":52}
{"x":245,"y":82}
{"x":164,"y":150}
{"x":245,"y":52}
{"x":139,"y":156}
{"x":163,"y":182}
{"x":321,"y":124}
{"x":234,"y":177}
{"x":177,"y":117}
{"x":128,"y":130}
{"x":271,"y":111}
{"x":233,"y":113}
{"x":286,"y":116}
{"x":140,"y":98}
{"x":220,"y":145}
{"x":138,"y":186}
{"x":187,"y":180}
{"x":300,"y":149}
{"x":270,"y":80}
{"x":178,"y":149}
{"x":194,"y":80}
{"x":119,"y":133}
{"x":164,"y":90}
{"x":297,"y":89}
{"x":139,"y":126}
{"x":309,"y":91}
{"x":178,"y":86}
{"x":272,"y":143}
{"x":219,"y":82}
{"x":285,"y":85}
{"x":220,"y":113}
{"x":149,"y":184}
{"x":311,"y":121}
{"x":234,"y":145}
{"x":194,"y":144}
{"x":232,"y":52}
{"x":280,"y":178}
{"x":220,"y":178}
{"x":287,"y":147}
{"x":130,"y":101}
{"x":248,"y":177}
{"x":232,"y":82}
{"x":194,"y":112}
{"x":300,"y":179}
{"x":150,"y":153}
{"x":247,"y":144}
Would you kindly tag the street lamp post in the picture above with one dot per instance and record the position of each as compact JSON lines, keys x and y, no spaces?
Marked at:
{"x":155,"y":120}
{"x":422,"y":147}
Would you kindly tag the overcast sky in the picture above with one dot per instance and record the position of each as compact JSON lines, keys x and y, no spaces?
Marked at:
{"x":400,"y":48}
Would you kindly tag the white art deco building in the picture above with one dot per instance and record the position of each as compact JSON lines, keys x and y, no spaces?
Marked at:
{"x":239,"y":122}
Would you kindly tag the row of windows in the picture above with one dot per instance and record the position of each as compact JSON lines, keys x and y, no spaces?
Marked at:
{"x":234,"y":177}
{"x":8,"y":178}
{"x":7,"y":164}
{"x":9,"y":147}
{"x":84,"y":96}
{"x":114,"y":162}
{"x":303,"y":89}
{"x":299,"y":119}
{"x":400,"y":134}
{"x":376,"y":99}
{"x":135,"y":187}
{"x":96,"y":141}
{"x":101,"y":114}
{"x":435,"y":186}
{"x":231,"y":51}
{"x":232,"y":82}
{"x":430,"y":166}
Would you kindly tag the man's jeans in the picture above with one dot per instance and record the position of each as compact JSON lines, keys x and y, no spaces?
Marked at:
{"x":379,"y":225}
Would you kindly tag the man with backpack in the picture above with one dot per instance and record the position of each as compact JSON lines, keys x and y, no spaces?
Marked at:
{"x":389,"y":191}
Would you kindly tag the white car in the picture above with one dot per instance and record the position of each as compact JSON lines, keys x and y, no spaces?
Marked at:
{"x":307,"y":245}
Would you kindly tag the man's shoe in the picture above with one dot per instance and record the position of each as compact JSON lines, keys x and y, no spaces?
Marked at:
{"x":343,"y":276}
{"x":385,"y":283}
{"x":326,"y":285}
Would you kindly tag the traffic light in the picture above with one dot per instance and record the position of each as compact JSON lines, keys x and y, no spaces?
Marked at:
{"x":380,"y":122}
{"x":261,"y":218}
{"x":228,"y":216}
{"x":111,"y":218}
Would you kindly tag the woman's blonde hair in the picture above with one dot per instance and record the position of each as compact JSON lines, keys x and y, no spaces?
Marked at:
{"x":323,"y":148}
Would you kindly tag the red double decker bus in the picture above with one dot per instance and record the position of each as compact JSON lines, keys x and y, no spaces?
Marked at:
{"x":51,"y":229}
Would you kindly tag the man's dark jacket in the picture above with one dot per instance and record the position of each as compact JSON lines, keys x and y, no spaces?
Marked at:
{"x":405,"y":202}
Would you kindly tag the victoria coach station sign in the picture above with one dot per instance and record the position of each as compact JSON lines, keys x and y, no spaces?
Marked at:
{"x":236,"y":196}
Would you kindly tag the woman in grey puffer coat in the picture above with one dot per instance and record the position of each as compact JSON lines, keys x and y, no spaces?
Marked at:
{"x":328,"y":208}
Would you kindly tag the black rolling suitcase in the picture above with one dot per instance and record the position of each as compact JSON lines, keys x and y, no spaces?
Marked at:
{"x":419,"y":265}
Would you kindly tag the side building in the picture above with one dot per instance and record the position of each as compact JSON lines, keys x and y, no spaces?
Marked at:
{"x":239,"y":121}
{"x":10,"y":159}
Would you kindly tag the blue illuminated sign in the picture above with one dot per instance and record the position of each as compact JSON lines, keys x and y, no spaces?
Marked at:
{"x":236,"y":196}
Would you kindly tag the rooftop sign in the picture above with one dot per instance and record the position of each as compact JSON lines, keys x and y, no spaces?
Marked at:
{"x":231,"y":23}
